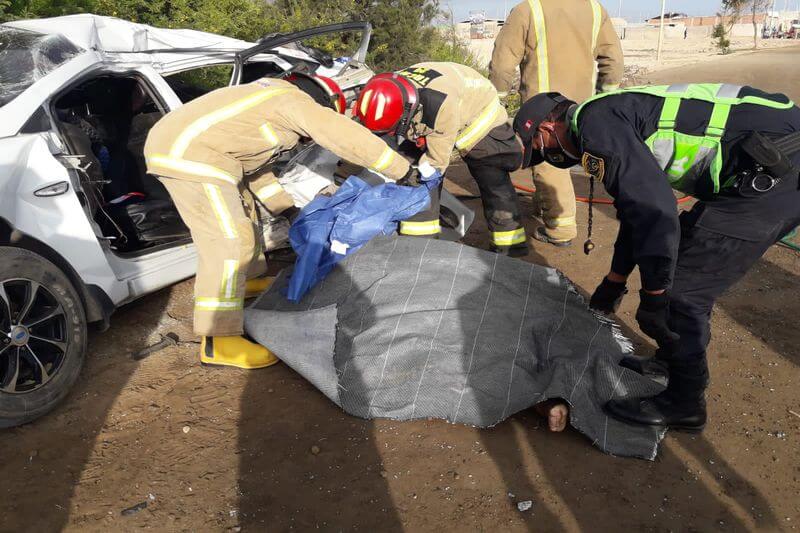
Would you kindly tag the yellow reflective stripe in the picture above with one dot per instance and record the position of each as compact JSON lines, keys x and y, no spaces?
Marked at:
{"x":268,"y":191}
{"x":428,"y":227}
{"x":563,"y":221}
{"x":269,"y":134}
{"x":230,"y":274}
{"x":221,"y":211}
{"x":202,"y":124}
{"x":191,"y":167}
{"x":542,"y":60}
{"x":478,"y":129}
{"x":597,"y":17}
{"x":384,"y":160}
{"x":509,"y":238}
{"x":219,"y":304}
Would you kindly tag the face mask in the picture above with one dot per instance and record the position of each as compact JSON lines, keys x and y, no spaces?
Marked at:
{"x":558,"y":157}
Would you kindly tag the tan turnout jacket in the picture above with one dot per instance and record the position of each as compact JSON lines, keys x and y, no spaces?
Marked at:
{"x":555,"y":44}
{"x":234,"y":132}
{"x":459,"y":107}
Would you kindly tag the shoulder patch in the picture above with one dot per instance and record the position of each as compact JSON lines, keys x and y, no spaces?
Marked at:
{"x":422,"y":76}
{"x":431,"y":102}
{"x":594,"y":166}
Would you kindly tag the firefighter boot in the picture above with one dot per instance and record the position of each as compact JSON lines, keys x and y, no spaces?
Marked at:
{"x":235,"y":351}
{"x":256,"y":286}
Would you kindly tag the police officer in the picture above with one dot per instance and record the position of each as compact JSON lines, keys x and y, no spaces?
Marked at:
{"x":736,"y":149}
{"x":444,"y":107}
{"x":211,"y":152}
{"x":555,"y":44}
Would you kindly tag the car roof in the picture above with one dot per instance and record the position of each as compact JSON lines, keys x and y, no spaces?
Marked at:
{"x":113,"y":35}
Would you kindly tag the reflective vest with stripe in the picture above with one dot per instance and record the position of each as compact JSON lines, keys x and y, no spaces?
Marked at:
{"x":540,"y":29}
{"x":689,"y":160}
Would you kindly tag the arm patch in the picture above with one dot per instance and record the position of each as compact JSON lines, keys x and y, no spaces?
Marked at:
{"x":594,"y":166}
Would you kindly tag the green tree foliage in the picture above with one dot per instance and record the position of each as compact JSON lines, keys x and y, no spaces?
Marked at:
{"x":403,"y":29}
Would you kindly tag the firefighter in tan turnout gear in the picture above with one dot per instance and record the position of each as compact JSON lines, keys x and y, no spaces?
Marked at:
{"x":211,"y":153}
{"x":444,"y":107}
{"x":555,"y":44}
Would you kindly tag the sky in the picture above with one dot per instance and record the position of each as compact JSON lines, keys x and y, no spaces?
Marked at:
{"x":633,"y":10}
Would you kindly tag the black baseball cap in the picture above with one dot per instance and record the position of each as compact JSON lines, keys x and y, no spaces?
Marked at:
{"x":530,"y":115}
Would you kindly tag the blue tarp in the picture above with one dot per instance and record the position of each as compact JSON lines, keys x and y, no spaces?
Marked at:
{"x":346,"y":221}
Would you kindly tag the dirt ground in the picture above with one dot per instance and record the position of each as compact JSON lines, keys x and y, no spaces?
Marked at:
{"x":230,"y":450}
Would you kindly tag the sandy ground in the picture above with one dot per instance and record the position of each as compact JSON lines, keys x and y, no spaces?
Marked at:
{"x":640,"y":55}
{"x":230,"y":450}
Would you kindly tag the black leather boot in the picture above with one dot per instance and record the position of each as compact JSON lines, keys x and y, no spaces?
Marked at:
{"x":681,"y":406}
{"x":661,"y":410}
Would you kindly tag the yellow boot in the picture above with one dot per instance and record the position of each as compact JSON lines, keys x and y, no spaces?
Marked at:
{"x":254,"y":287}
{"x":235,"y":351}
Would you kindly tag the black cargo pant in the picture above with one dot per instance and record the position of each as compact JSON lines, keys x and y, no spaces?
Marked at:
{"x":490,"y":161}
{"x":720,"y":241}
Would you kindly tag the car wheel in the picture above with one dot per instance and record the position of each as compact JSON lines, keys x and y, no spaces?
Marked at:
{"x":42,"y":336}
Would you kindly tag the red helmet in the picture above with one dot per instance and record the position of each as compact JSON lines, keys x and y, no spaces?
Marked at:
{"x":322,"y":89}
{"x":387,"y":104}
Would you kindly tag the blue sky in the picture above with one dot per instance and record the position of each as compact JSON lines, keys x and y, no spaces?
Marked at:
{"x":633,"y":10}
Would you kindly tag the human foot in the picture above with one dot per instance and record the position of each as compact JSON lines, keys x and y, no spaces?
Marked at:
{"x":556,"y":412}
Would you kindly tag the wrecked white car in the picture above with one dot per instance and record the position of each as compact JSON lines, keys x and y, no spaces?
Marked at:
{"x":84,"y":229}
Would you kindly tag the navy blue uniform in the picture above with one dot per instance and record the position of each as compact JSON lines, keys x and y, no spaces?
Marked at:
{"x":699,"y":256}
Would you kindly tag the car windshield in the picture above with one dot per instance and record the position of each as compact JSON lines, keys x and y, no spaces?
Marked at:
{"x":27,"y":56}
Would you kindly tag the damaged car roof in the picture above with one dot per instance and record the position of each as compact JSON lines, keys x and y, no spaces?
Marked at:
{"x":108,"y":34}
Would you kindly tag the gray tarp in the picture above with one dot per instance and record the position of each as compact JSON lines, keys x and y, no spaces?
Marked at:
{"x":416,"y":328}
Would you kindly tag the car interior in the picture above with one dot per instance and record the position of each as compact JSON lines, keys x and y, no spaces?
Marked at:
{"x":104,"y":123}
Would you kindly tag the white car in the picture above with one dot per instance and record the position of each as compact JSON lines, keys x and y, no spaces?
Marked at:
{"x":84,"y":230}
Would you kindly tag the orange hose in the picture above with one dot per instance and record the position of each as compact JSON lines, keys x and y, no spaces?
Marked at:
{"x":585,"y":200}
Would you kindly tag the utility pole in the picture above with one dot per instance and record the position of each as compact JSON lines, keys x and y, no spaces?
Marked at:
{"x":620,"y":9}
{"x":661,"y":30}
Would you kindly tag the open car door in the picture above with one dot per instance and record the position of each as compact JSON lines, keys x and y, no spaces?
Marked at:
{"x":338,"y":51}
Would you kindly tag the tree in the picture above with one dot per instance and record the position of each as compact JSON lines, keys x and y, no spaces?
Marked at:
{"x":757,"y":6}
{"x":732,"y":10}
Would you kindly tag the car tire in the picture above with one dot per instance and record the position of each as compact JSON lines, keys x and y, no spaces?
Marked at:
{"x":50,"y":319}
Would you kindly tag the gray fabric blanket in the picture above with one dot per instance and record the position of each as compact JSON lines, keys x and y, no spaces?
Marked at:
{"x":415,"y":328}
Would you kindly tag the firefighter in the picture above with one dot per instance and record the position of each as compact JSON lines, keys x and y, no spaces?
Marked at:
{"x":444,"y":107}
{"x":555,"y":44}
{"x":211,"y":153}
{"x":736,"y":149}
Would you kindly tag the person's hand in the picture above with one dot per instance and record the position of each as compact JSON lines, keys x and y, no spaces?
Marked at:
{"x":652,"y":318}
{"x":608,"y":296}
{"x":411,"y":179}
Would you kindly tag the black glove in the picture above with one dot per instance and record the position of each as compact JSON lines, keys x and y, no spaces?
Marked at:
{"x":652,"y":318}
{"x":608,"y":296}
{"x":411,"y":179}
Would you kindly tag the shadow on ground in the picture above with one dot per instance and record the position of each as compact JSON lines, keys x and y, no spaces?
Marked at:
{"x":40,"y":475}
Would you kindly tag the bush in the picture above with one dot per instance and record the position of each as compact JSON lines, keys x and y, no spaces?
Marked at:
{"x":721,"y":40}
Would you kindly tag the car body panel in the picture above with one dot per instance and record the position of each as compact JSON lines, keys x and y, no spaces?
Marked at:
{"x":26,"y":165}
{"x":29,"y":162}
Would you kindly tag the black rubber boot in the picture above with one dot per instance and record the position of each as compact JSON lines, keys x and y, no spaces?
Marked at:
{"x":518,"y":250}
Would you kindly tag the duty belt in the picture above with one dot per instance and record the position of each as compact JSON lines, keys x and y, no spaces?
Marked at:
{"x":773,"y":163}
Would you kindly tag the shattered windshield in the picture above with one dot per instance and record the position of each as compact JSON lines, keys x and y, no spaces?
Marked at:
{"x":27,"y":56}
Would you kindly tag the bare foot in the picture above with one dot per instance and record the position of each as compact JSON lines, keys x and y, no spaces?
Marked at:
{"x":556,"y":412}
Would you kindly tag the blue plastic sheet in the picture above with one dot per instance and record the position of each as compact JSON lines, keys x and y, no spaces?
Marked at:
{"x":346,"y":221}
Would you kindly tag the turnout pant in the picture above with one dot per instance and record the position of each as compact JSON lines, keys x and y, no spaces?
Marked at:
{"x":556,"y":197}
{"x":489,"y":162}
{"x":720,"y":241}
{"x":223,"y":220}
